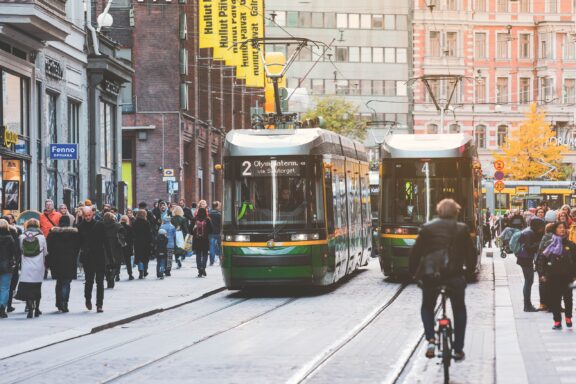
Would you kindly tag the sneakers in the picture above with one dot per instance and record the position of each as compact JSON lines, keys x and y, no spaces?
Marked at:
{"x":3,"y":314}
{"x":459,"y":356}
{"x":557,"y":325}
{"x":569,"y":322}
{"x":431,"y":349}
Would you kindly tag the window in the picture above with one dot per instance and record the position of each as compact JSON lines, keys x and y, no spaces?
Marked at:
{"x":480,"y":45}
{"x":451,"y":5}
{"x":481,"y":90}
{"x":480,"y":6}
{"x":389,"y":22}
{"x":341,"y":87}
{"x":378,"y":55}
{"x":524,"y":6}
{"x":451,"y":44}
{"x":551,"y":6}
{"x":525,"y":90}
{"x":434,"y":43}
{"x":569,"y":47}
{"x":342,"y":20}
{"x":452,"y":86}
{"x":502,"y":46}
{"x":502,"y":5}
{"x":432,"y":129}
{"x":546,"y":89}
{"x":366,"y":54}
{"x":524,"y":46}
{"x":127,"y":99}
{"x":366,"y":87}
{"x":318,"y":86}
{"x":401,"y":55}
{"x":502,"y":135}
{"x":52,"y":123}
{"x":378,"y":87}
{"x":502,"y":90}
{"x":354,"y":54}
{"x":544,"y":53}
{"x":342,"y":54}
{"x":454,"y":128}
{"x":569,"y":91}
{"x":305,"y":54}
{"x":480,"y":136}
{"x":14,"y":107}
{"x":280,"y":18}
{"x":353,"y":21}
{"x":401,"y":88}
{"x":389,"y":55}
{"x":317,"y":19}
{"x":401,"y":23}
{"x":354,"y":87}
{"x":366,"y":21}
{"x":389,"y":88}
{"x":107,"y":125}
{"x":377,"y":21}
{"x":330,"y":20}
{"x":292,"y":19}
{"x":434,"y":88}
{"x":304,"y":19}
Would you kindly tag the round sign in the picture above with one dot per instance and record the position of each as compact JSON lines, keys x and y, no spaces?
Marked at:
{"x":499,"y":165}
{"x":498,"y":175}
{"x":499,"y":185}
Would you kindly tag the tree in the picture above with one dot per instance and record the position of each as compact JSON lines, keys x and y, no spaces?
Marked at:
{"x":340,"y":116}
{"x":529,"y":146}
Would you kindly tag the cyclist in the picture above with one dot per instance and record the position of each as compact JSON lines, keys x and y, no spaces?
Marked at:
{"x":445,"y":233}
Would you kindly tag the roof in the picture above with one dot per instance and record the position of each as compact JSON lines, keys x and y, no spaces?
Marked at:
{"x":402,"y":146}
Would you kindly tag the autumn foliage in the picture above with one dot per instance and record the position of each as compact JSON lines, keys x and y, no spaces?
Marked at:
{"x":528,"y":146}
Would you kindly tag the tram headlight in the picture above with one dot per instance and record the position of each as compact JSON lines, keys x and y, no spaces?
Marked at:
{"x":242,"y":238}
{"x":305,"y":236}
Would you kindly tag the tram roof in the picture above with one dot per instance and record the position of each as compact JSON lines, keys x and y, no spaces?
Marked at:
{"x":288,"y":142}
{"x":405,"y":146}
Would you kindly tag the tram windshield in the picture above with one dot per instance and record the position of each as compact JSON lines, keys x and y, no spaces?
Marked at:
{"x":275,"y":192}
{"x":405,"y":195}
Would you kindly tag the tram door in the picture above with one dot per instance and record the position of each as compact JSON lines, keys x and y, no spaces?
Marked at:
{"x":340,"y":218}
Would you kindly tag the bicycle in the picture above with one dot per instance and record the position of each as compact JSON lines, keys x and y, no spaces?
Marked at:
{"x":445,"y":336}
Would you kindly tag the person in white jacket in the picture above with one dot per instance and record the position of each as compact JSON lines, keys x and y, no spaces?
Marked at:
{"x":34,"y":251}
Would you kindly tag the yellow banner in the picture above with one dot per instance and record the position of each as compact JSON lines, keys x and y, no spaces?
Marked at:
{"x":224,"y":23}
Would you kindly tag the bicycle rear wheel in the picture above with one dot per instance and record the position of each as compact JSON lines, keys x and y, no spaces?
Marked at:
{"x":446,"y":354}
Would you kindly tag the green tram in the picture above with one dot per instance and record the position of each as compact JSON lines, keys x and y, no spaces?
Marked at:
{"x":417,"y":172}
{"x":296,"y":207}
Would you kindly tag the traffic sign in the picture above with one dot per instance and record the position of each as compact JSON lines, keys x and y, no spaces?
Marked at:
{"x":498,"y":175}
{"x":168,"y":172}
{"x":499,"y":185}
{"x":169,"y":178}
{"x":499,"y":165}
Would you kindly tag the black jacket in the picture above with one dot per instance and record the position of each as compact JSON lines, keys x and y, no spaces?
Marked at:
{"x":128,"y":250}
{"x":216,"y":217}
{"x":63,"y":248}
{"x":115,"y":239}
{"x":8,"y":252}
{"x":202,"y":244}
{"x":550,"y":267}
{"x":437,"y":235}
{"x":142,"y":240}
{"x":92,"y":239}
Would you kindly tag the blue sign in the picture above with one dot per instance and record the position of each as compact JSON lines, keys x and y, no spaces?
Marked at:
{"x":63,"y":151}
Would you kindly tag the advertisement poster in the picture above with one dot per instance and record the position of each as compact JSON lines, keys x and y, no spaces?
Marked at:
{"x":11,"y":195}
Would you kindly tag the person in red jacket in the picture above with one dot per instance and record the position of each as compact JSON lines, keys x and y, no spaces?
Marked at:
{"x":49,"y":218}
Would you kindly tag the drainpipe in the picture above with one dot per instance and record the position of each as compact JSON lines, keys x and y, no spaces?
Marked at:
{"x":88,"y":19}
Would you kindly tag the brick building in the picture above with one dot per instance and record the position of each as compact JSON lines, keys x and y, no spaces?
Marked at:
{"x":510,"y":52}
{"x":179,"y":104}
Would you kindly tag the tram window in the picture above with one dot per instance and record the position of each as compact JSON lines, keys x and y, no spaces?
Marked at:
{"x":502,"y":201}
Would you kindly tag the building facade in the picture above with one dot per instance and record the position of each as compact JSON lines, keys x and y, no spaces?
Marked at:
{"x":363,"y":55}
{"x":509,"y":54}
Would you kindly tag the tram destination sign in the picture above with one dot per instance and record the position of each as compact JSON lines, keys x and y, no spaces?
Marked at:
{"x":63,"y":151}
{"x":263,"y":168}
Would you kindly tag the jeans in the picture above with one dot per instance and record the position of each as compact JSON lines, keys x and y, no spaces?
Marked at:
{"x":160,"y":266}
{"x":430,"y":292}
{"x":201,"y":259}
{"x":62,"y":291}
{"x":528,"y":272}
{"x":215,"y":249}
{"x":143,"y":266}
{"x":169,"y":260}
{"x":558,"y":289}
{"x":89,"y":284}
{"x":5,"y":280}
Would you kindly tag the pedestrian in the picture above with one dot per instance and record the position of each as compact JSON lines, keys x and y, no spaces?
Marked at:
{"x":566,"y":209}
{"x":162,"y":253}
{"x":201,"y":243}
{"x":63,"y":210}
{"x":529,"y":242}
{"x":92,"y":239}
{"x":563,"y":217}
{"x":572,"y":233}
{"x":15,"y":231}
{"x":216,"y":218}
{"x":142,"y":243}
{"x":452,"y":239}
{"x":63,"y":247}
{"x":180,"y":223}
{"x":130,"y":215}
{"x":517,"y":220}
{"x":202,"y":204}
{"x":115,"y":239}
{"x":540,"y":212}
{"x":128,"y":249}
{"x":49,"y":218}
{"x":171,"y":245}
{"x":8,"y":255}
{"x":33,"y":261}
{"x":557,"y":266}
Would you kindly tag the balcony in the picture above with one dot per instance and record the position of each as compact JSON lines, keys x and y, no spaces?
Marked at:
{"x":44,"y":20}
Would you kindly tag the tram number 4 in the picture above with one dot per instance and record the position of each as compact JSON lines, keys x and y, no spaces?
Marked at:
{"x":246,"y":168}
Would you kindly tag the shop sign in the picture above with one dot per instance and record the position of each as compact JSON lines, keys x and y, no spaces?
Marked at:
{"x":54,"y":69}
{"x":8,"y":138}
{"x":63,"y":151}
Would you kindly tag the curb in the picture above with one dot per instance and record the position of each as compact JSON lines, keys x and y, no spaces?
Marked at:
{"x":37,"y":344}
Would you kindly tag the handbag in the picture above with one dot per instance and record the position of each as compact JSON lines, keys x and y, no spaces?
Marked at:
{"x":436,"y":265}
{"x":188,"y":243}
{"x":179,"y":239}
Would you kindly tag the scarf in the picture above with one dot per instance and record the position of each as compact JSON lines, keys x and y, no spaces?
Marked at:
{"x":555,"y":247}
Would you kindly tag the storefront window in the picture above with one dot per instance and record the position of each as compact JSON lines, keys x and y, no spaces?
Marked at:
{"x":12,"y":108}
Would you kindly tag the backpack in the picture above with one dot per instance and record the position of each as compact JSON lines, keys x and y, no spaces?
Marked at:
{"x":515,"y":245}
{"x":31,"y":244}
{"x":435,"y":266}
{"x":200,"y":230}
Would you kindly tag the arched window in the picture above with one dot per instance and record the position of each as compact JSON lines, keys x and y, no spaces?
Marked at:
{"x":432,"y":128}
{"x":502,"y":135}
{"x":480,"y":136}
{"x":454,"y":128}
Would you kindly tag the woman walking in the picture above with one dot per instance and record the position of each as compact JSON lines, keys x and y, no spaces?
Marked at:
{"x":34,"y":250}
{"x":7,"y":265}
{"x":115,"y":240}
{"x":128,"y":249}
{"x":201,"y":243}
{"x":180,"y":222}
{"x":556,"y":265}
{"x":142,"y":243}
{"x":63,"y":248}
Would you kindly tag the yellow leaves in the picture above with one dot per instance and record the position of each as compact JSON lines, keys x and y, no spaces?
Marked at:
{"x":529,"y":149}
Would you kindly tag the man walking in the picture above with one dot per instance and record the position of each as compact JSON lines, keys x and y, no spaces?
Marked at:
{"x":49,"y":217}
{"x":214,"y":237}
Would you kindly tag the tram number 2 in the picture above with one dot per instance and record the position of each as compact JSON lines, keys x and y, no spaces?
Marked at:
{"x":246,"y":168}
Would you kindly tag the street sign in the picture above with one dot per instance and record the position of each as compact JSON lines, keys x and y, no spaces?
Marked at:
{"x":169,"y":178}
{"x":499,"y":185}
{"x":63,"y":151}
{"x":499,"y":165}
{"x":498,"y":175}
{"x":168,"y":172}
{"x":521,"y":190}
